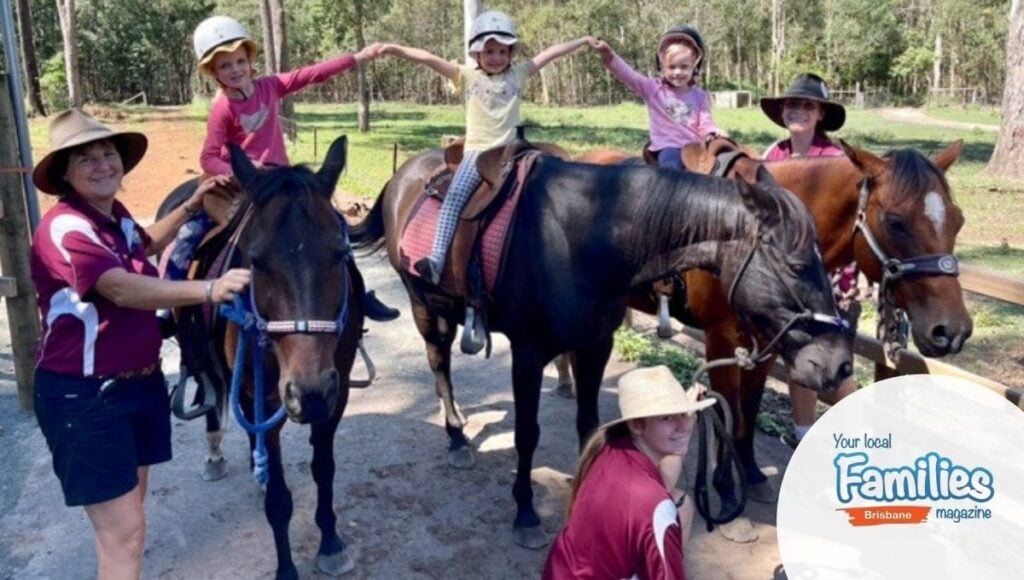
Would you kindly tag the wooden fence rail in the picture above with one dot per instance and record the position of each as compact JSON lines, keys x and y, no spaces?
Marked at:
{"x":975,"y":279}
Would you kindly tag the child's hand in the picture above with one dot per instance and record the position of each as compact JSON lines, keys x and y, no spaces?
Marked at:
{"x":369,"y":52}
{"x":602,"y":48}
{"x":195,"y":203}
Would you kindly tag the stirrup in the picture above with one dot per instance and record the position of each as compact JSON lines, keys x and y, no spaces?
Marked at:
{"x":664,"y":322}
{"x":474,"y":335}
{"x":371,"y":370}
{"x":196,"y":410}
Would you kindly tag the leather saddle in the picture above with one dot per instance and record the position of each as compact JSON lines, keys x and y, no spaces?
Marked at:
{"x":463,"y":274}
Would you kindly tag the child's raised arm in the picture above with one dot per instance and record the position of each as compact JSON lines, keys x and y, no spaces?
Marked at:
{"x":420,"y":56}
{"x":557,"y":51}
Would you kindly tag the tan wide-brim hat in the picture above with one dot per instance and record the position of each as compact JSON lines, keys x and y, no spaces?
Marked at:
{"x":205,"y":65}
{"x":73,"y":128}
{"x":652,"y":392}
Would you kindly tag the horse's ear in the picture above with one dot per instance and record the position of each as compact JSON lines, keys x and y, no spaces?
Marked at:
{"x":333,"y":165}
{"x":865,"y":161}
{"x":245,"y":172}
{"x":758,"y":197}
{"x":949,"y":155}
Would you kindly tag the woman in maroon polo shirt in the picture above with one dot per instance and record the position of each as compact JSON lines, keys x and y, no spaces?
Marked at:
{"x":100,"y":396}
{"x":622,"y":520}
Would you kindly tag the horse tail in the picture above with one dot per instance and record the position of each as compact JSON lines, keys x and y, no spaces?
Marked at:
{"x":369,"y":233}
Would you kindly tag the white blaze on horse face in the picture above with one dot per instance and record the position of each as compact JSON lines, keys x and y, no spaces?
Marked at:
{"x":935,"y":209}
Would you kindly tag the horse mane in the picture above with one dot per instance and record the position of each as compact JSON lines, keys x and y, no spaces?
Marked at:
{"x":912,"y":172}
{"x":298,"y":182}
{"x":669,"y":197}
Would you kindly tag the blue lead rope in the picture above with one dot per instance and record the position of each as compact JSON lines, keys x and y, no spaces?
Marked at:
{"x":240,"y":312}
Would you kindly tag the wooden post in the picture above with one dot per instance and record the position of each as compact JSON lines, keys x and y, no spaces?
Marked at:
{"x":15,"y":244}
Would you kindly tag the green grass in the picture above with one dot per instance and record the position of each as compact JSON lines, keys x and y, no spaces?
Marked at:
{"x":647,"y":351}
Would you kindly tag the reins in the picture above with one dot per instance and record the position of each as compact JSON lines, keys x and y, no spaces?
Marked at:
{"x":256,"y":330}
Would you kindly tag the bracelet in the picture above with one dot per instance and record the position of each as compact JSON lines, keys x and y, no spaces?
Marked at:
{"x":193,"y":210}
{"x":209,"y":291}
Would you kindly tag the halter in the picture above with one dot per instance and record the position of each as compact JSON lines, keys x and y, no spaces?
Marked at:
{"x":747,"y":360}
{"x":892,"y":320}
{"x":255,"y":328}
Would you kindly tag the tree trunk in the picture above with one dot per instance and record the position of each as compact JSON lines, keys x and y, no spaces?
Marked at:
{"x":470,"y":10}
{"x":66,"y":14}
{"x":778,"y":42}
{"x":363,"y":114}
{"x":28,"y":57}
{"x":1008,"y":157}
{"x":269,"y":63}
{"x":277,"y":18}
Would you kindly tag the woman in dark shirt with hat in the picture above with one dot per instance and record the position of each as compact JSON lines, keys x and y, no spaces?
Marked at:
{"x":100,"y":396}
{"x":807,"y":112}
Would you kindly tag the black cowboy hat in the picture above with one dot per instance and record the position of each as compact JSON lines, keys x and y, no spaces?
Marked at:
{"x":812,"y":88}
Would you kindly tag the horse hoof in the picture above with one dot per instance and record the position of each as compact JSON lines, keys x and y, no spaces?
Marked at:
{"x":532,"y":537}
{"x":739,"y":530}
{"x":762,"y":493}
{"x":215,"y":469}
{"x":565,"y":391}
{"x":462,"y":458}
{"x":335,"y":564}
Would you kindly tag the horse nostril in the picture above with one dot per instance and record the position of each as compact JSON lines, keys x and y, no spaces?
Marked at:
{"x":845,"y":370}
{"x":939,"y":336}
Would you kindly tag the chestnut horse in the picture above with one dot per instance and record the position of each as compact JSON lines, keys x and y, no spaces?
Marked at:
{"x":305,"y":308}
{"x":585,"y":235}
{"x":900,"y":201}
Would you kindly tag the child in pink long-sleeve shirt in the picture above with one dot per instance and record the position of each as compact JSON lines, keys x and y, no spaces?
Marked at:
{"x":680,"y":112}
{"x":245,"y":112}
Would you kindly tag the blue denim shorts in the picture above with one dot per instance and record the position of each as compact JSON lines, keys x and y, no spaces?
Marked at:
{"x":100,"y":437}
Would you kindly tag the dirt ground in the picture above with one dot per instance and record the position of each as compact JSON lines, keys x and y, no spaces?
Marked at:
{"x":402,"y":509}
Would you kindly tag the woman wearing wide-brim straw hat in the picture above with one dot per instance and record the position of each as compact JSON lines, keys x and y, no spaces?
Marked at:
{"x":100,"y":396}
{"x":622,"y":520}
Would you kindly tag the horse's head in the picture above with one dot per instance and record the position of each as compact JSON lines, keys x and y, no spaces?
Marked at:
{"x":907,"y":229}
{"x":298,"y":248}
{"x":777,"y":282}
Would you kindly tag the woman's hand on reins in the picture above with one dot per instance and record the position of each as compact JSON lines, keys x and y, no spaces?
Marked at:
{"x":233,"y":281}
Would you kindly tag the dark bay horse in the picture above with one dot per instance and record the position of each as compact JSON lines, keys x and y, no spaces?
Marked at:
{"x":583,"y":237}
{"x":298,"y":249}
{"x":902,"y":200}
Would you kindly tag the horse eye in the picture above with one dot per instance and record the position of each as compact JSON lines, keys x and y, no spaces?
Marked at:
{"x":258,"y":263}
{"x":895,"y":225}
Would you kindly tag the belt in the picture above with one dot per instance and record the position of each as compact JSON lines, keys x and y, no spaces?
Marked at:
{"x":138,"y":373}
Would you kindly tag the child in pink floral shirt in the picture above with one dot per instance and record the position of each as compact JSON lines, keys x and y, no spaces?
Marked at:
{"x":680,"y":112}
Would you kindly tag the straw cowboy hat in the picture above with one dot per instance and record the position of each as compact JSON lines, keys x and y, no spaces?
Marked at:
{"x":652,"y":392}
{"x":812,"y":88}
{"x":72,"y":128}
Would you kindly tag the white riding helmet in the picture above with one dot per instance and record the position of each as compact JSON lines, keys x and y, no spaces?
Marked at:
{"x":492,"y":25}
{"x":219,"y":34}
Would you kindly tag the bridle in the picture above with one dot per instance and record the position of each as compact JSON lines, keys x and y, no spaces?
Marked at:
{"x":892,"y":320}
{"x":258,"y":330}
{"x":804,"y":314}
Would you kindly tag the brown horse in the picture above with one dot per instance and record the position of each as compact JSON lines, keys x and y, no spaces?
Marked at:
{"x":304,"y":309}
{"x":900,"y":201}
{"x":583,"y":236}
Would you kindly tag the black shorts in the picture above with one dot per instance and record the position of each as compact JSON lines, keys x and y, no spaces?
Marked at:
{"x":99,"y":440}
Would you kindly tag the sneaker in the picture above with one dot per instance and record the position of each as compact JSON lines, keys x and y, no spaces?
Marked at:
{"x":374,"y":309}
{"x":429,"y":270}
